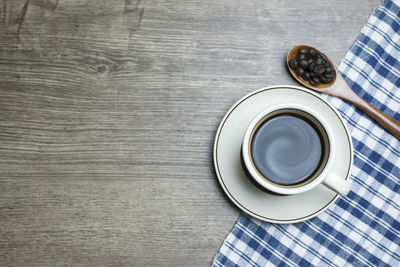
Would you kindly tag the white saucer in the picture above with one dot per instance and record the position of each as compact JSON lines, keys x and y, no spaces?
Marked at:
{"x":244,"y":193}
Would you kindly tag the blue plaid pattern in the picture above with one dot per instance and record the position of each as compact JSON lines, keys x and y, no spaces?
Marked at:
{"x":363,"y":228}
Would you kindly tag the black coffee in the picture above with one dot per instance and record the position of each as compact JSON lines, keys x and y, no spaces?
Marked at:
{"x":286,"y":149}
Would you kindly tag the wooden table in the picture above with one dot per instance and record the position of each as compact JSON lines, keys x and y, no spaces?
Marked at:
{"x":108,"y":111}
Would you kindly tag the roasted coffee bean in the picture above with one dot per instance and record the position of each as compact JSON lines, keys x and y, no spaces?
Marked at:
{"x":312,"y":74}
{"x":301,"y":57}
{"x":312,"y":52}
{"x":319,"y":61}
{"x":315,"y":81}
{"x":293,"y":63}
{"x":306,"y":75}
{"x":303,"y":64}
{"x":329,"y":74}
{"x":328,"y":69}
{"x":316,"y":68}
{"x":310,"y":60}
{"x":326,"y":64}
{"x":319,"y":70}
{"x":311,"y":66}
{"x":303,"y":50}
{"x":299,"y":71}
{"x":326,"y":80}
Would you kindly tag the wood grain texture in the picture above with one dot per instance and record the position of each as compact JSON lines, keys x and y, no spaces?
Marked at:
{"x":108,"y":111}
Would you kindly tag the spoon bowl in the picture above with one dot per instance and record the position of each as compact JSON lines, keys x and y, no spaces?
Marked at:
{"x":339,"y":88}
{"x":292,"y":55}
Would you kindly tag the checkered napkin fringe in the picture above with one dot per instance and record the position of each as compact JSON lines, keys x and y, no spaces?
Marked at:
{"x":363,"y":228}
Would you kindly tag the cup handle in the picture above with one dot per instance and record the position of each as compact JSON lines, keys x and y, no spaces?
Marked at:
{"x":337,"y":184}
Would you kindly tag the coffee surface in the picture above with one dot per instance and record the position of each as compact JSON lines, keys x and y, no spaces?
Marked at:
{"x":286,"y":149}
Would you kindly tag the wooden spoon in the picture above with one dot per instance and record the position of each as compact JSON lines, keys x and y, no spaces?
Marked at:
{"x":339,"y":88}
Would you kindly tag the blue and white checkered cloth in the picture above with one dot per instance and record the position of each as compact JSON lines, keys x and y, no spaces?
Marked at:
{"x":363,"y":228}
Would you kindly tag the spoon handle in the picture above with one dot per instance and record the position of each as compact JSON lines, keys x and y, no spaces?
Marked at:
{"x":342,"y":90}
{"x":386,"y":121}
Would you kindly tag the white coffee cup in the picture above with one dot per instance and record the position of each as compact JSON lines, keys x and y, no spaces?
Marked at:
{"x":322,"y":175}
